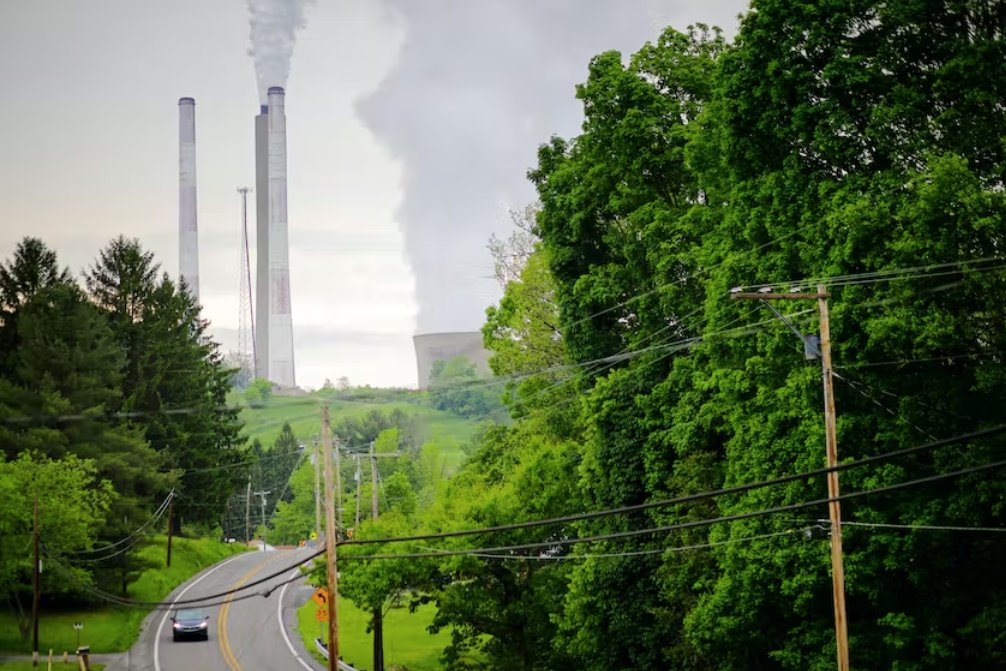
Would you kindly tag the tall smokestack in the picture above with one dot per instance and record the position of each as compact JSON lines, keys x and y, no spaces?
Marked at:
{"x":262,"y":243}
{"x":188,"y":234}
{"x":281,"y":368}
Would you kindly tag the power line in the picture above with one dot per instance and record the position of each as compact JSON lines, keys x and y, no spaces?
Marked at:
{"x":630,"y":553}
{"x":924,"y":527}
{"x":207,"y":602}
{"x":681,"y":525}
{"x":135,"y":535}
{"x":891,"y":274}
{"x":627,"y":509}
{"x":690,"y":498}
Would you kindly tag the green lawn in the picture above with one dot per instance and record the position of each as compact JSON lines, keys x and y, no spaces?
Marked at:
{"x":116,"y":629}
{"x":407,"y":643}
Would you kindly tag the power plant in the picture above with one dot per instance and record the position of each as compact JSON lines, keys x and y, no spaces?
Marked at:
{"x":272,"y":323}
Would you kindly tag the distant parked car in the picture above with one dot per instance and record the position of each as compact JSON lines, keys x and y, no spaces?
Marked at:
{"x":190,"y":623}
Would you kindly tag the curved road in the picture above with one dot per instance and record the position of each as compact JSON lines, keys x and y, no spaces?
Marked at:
{"x":244,"y":636}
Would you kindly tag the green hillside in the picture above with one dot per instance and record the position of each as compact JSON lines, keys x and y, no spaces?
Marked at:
{"x":303,"y":413}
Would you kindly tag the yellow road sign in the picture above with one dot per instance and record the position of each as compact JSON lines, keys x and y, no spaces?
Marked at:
{"x":321,"y":615}
{"x":313,"y":536}
{"x":320,"y":597}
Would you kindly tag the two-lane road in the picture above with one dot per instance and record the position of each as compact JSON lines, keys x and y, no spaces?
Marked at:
{"x":254,"y":634}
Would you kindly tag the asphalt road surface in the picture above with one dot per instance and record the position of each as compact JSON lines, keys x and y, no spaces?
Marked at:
{"x":256,"y":634}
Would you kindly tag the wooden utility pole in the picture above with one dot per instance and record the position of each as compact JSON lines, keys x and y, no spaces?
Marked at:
{"x":338,"y":484}
{"x":330,"y":546}
{"x":378,"y":614}
{"x":359,"y":481}
{"x":317,"y":490}
{"x":36,"y":588}
{"x":834,"y":507}
{"x":831,"y":456}
{"x":248,"y":512}
{"x":373,"y":483}
{"x":171,"y":521}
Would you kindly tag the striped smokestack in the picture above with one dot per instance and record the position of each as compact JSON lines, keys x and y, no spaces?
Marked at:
{"x":280,"y":345}
{"x":188,"y":233}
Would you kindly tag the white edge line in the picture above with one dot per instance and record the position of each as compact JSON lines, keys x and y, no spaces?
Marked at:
{"x":157,"y":633}
{"x":282,"y":627}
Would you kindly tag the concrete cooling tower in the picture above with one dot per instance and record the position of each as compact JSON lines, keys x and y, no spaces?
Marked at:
{"x":433,"y":347}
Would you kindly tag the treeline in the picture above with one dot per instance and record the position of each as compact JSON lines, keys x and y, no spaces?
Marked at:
{"x":112,"y":397}
{"x":855,"y":144}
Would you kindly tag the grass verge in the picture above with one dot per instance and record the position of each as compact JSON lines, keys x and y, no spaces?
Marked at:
{"x":116,"y":629}
{"x":407,"y":642}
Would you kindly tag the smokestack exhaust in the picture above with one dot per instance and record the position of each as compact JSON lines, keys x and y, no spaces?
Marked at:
{"x":188,"y":233}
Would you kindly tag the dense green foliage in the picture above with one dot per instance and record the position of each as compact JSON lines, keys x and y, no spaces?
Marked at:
{"x":829,"y":140}
{"x":111,"y":397}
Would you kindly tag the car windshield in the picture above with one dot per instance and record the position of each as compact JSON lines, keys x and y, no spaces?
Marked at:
{"x":189,"y":614}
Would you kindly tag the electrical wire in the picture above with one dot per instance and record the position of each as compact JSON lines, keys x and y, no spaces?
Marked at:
{"x":206,"y":602}
{"x":134,"y":536}
{"x":630,"y":553}
{"x":690,"y":498}
{"x":883,"y":275}
{"x":683,"y":525}
{"x":931,"y":359}
{"x":921,"y":527}
{"x":626,"y":509}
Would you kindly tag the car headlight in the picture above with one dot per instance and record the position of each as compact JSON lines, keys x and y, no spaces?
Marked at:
{"x":203,"y":625}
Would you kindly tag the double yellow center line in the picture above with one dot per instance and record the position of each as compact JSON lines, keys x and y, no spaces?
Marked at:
{"x":225,"y":646}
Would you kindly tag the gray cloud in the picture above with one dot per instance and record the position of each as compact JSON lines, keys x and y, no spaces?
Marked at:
{"x":478,"y":86}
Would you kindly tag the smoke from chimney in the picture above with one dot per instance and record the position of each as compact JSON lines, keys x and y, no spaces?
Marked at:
{"x":274,"y":26}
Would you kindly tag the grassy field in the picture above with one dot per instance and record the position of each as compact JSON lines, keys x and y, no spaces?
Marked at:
{"x":116,"y":629}
{"x":407,"y":643}
{"x":450,"y":432}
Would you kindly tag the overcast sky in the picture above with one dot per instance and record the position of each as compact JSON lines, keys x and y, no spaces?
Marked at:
{"x":411,"y":124}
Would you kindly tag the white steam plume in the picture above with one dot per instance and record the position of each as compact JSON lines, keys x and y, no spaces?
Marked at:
{"x":274,"y":26}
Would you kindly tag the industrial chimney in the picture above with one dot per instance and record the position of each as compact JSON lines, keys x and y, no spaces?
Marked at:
{"x":272,"y":288}
{"x":262,"y":243}
{"x":188,"y":233}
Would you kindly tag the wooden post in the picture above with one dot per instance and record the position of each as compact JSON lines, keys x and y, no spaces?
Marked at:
{"x":36,"y":589}
{"x":171,"y":521}
{"x":834,"y":507}
{"x":330,"y":546}
{"x":831,"y":457}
